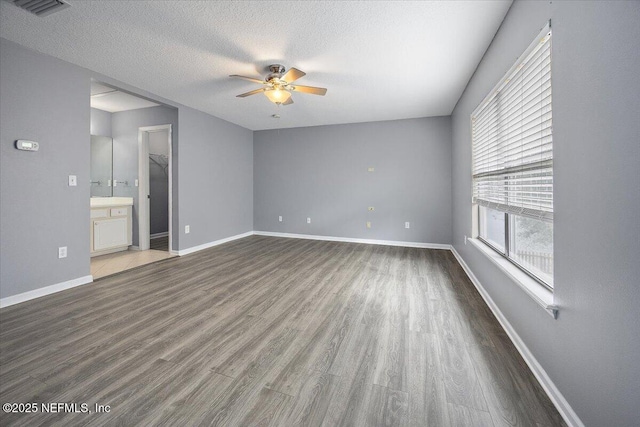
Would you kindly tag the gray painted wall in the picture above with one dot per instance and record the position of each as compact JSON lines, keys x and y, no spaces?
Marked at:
{"x":322,"y":172}
{"x":591,"y":352}
{"x":159,"y":183}
{"x":216,"y":178}
{"x":125,"y":125}
{"x":40,"y":212}
{"x":100,"y":122}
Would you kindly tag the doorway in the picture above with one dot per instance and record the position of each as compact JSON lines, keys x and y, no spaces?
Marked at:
{"x":120,"y":181}
{"x":155,"y":188}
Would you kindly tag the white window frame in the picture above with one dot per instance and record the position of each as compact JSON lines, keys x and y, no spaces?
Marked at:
{"x":537,"y":288}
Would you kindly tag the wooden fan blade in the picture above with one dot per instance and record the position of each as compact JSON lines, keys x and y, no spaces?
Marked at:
{"x":292,"y":75}
{"x":253,"y":92}
{"x":310,"y":89}
{"x":251,"y":79}
{"x":288,"y":101}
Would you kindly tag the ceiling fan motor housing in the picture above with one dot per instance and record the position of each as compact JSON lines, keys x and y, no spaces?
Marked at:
{"x":277,"y":71}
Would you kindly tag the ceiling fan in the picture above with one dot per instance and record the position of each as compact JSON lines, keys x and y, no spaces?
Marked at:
{"x":278,"y":87}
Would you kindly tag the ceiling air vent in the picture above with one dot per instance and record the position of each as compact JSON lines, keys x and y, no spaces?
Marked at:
{"x":41,"y":7}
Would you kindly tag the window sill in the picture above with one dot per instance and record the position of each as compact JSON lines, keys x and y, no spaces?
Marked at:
{"x":537,"y":292}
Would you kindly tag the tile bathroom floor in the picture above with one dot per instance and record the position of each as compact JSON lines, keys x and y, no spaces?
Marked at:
{"x":106,"y":265}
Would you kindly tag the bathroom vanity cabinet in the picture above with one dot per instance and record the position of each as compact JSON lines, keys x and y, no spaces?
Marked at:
{"x":110,"y":224}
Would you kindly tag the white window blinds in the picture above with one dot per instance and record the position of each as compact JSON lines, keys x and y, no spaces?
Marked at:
{"x":512,"y":139}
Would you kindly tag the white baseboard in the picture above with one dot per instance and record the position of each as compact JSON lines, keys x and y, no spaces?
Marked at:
{"x":354,"y":240}
{"x":158,"y":235}
{"x":561,"y":404}
{"x":313,"y":237}
{"x":212,"y":244}
{"x":47,"y":290}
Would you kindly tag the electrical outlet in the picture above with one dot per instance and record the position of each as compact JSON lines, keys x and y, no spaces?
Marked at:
{"x":280,"y":218}
{"x":187,"y":229}
{"x":371,"y":169}
{"x":73,"y":180}
{"x":62,"y":252}
{"x":465,"y":240}
{"x":371,"y":209}
{"x":368,"y":224}
{"x":407,"y":225}
{"x":308,"y":220}
{"x":136,"y":182}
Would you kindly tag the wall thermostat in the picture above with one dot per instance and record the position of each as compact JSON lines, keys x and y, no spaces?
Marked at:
{"x":23,"y":144}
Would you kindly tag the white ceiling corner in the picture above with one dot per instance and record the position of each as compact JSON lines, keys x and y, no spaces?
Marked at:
{"x":112,"y":100}
{"x":379,"y":60}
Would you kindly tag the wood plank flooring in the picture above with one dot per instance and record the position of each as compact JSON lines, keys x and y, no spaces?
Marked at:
{"x":267,"y":331}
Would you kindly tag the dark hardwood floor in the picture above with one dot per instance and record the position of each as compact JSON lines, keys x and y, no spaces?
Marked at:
{"x":272,"y":332}
{"x":159,"y":243}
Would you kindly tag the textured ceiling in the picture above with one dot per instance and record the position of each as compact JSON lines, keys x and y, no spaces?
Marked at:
{"x":379,"y":60}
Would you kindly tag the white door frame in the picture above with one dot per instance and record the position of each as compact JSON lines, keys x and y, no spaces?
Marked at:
{"x":144,"y":216}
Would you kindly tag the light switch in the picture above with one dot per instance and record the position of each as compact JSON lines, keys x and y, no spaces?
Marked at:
{"x":368,"y":224}
{"x":280,"y":218}
{"x":62,"y":252}
{"x":308,"y":220}
{"x":136,"y":182}
{"x":73,"y":180}
{"x":407,"y":225}
{"x":187,"y":229}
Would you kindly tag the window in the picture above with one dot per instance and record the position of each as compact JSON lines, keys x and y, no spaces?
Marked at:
{"x":512,"y":145}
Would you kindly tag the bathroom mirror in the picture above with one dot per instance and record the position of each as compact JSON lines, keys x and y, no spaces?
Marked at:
{"x":101,"y":166}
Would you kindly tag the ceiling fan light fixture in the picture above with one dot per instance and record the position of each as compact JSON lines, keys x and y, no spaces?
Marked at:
{"x":277,"y":96}
{"x":277,"y":86}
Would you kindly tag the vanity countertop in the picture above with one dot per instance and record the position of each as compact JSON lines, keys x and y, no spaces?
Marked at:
{"x":103,"y":202}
